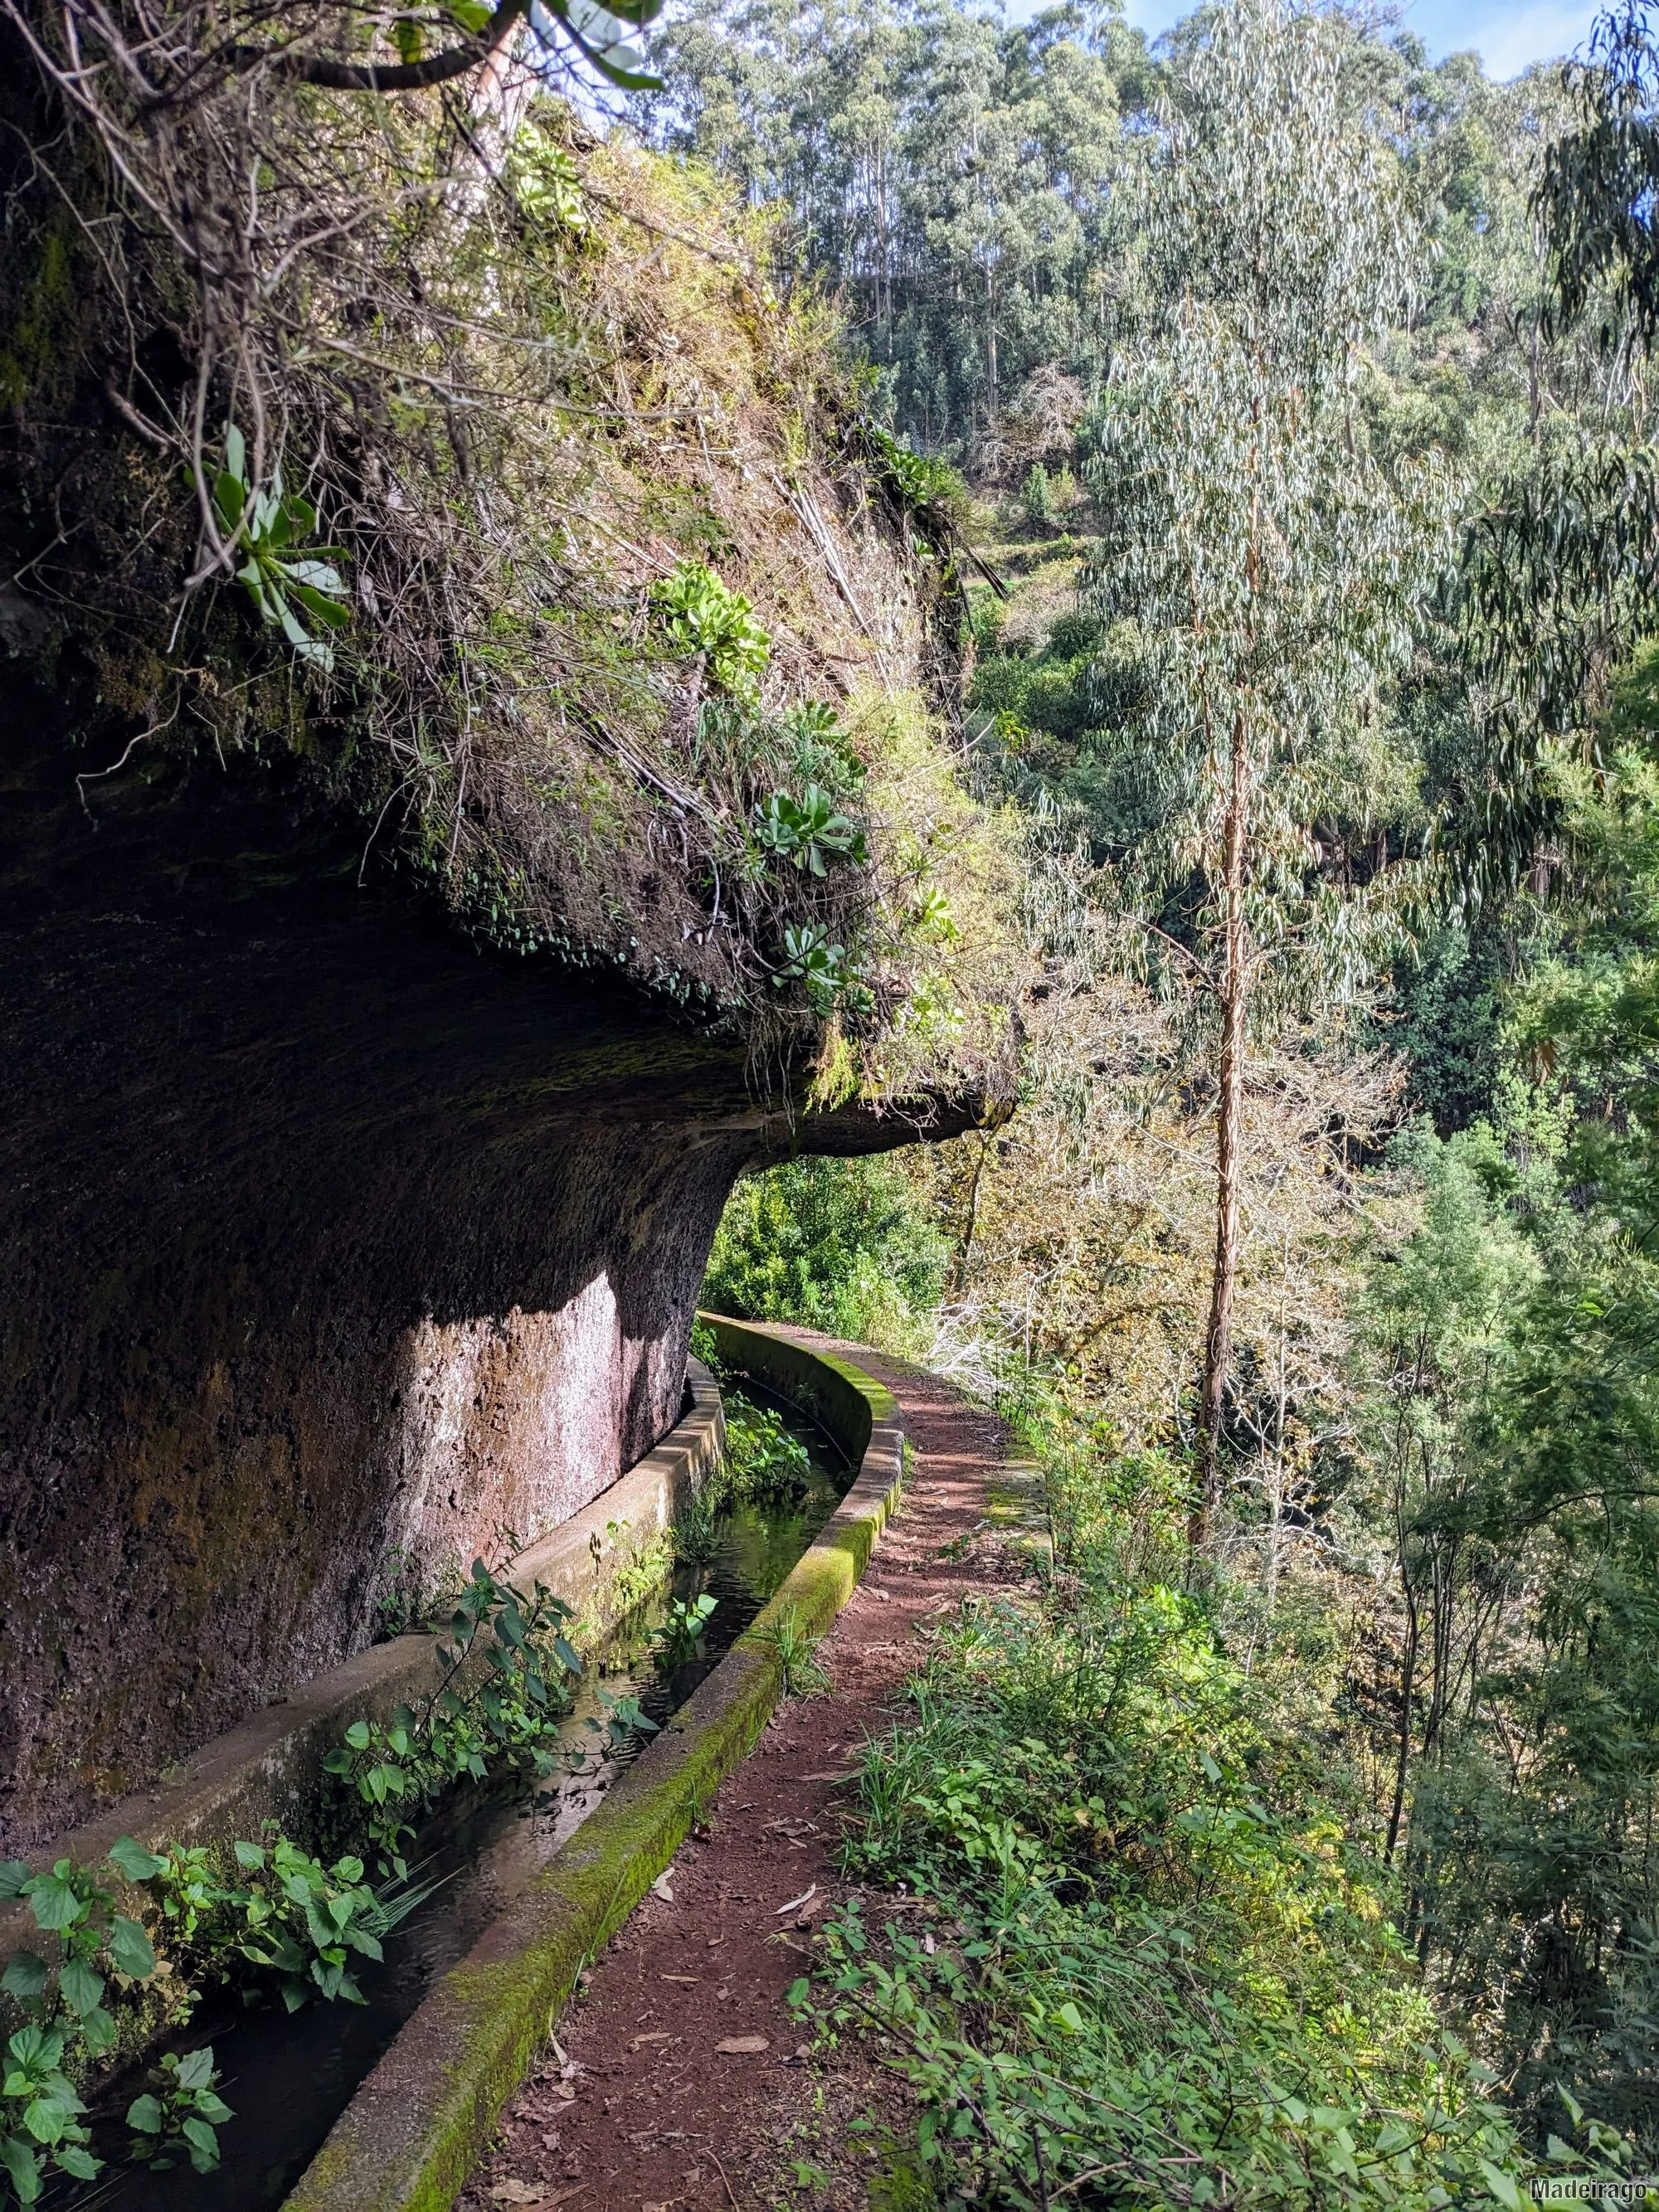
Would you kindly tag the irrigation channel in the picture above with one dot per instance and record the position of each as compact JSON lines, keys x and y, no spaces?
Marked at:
{"x":288,"y":2077}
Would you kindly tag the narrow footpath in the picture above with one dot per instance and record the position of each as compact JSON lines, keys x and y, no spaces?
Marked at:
{"x":680,"y":2083}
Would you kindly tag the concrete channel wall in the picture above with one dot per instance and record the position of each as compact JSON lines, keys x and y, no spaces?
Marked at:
{"x":424,"y":2116}
{"x":271,"y":1768}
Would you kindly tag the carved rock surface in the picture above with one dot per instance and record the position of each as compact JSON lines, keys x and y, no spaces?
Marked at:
{"x":333,"y":1250}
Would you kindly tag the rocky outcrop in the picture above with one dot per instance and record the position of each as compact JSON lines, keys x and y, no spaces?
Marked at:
{"x":334,"y":1249}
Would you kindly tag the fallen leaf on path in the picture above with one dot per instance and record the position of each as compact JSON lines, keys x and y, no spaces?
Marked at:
{"x":663,"y":1886}
{"x":662,"y":2035}
{"x":795,"y":1903}
{"x":692,"y":1979}
{"x":743,"y":2047}
{"x":518,"y":2192}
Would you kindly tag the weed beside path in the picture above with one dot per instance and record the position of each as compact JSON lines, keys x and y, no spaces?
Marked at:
{"x":683,"y":2081}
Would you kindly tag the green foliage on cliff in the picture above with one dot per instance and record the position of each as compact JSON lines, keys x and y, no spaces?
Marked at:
{"x":509,"y":504}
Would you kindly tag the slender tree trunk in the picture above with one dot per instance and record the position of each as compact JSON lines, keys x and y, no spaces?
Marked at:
{"x":964,"y":1250}
{"x":1235,"y":996}
{"x":1276,"y":1480}
{"x":1403,"y":1750}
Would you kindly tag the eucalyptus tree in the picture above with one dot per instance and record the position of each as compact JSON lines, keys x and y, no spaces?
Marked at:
{"x":1270,"y":565}
{"x":949,"y":172}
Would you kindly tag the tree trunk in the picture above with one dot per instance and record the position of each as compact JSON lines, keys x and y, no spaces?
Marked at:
{"x":1235,"y":992}
{"x":1403,"y":1748}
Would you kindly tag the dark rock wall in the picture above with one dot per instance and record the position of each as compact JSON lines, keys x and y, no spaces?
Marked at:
{"x":332,"y":1248}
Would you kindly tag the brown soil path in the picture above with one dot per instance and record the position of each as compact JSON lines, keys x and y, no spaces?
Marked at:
{"x":649,"y":2113}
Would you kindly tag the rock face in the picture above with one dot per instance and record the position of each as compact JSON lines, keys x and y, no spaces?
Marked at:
{"x":333,"y":1250}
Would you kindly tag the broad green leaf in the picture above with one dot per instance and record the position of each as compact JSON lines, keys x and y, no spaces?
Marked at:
{"x":1502,"y":2187}
{"x":80,"y":1987}
{"x":25,"y":1976}
{"x":130,"y":1948}
{"x":134,"y":1861}
{"x":144,"y":2114}
{"x":24,"y":2167}
{"x":196,"y":2067}
{"x":45,"y":2119}
{"x":54,"y":1903}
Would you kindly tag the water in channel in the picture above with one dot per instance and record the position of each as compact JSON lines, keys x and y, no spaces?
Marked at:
{"x":289,"y":2077}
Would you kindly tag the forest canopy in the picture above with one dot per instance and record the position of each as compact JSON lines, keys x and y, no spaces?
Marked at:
{"x":1301,"y":387}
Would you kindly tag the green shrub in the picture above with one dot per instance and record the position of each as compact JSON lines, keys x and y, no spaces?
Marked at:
{"x":704,"y":616}
{"x":762,"y":1460}
{"x":180,"y":2114}
{"x":1141,"y":1960}
{"x":1037,"y":495}
{"x":840,"y":1245}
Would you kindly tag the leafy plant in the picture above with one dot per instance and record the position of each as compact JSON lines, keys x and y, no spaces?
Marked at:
{"x":40,"y":2115}
{"x":930,"y":486}
{"x":805,"y":830}
{"x":94,"y":1941}
{"x":1037,"y":496}
{"x":186,"y":1885}
{"x":704,"y":615}
{"x":796,"y":1649}
{"x":623,"y":1719}
{"x":180,"y":2113}
{"x":696,"y":1530}
{"x":810,"y":958}
{"x":819,"y":750}
{"x":271,"y":527}
{"x":676,"y":1639}
{"x":1156,"y":1962}
{"x":502,"y":1688}
{"x":302,"y":1922}
{"x":762,"y":1458}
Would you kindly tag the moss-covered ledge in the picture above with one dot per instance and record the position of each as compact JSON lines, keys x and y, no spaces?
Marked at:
{"x":421,"y":2122}
{"x":840,"y":1398}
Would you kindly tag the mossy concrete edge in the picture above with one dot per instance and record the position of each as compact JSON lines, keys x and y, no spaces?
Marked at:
{"x":420,"y":2123}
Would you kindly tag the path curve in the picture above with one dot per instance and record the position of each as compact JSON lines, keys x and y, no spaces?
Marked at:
{"x":648,"y":2113}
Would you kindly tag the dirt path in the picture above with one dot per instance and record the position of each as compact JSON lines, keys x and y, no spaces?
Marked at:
{"x":651,"y":2113}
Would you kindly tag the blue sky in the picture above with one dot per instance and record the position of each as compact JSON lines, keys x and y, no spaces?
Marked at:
{"x":1507,"y":38}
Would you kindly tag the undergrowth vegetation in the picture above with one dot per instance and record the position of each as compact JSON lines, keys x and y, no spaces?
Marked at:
{"x":845,"y":1246}
{"x":278,"y":1920}
{"x":1129,"y":1943}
